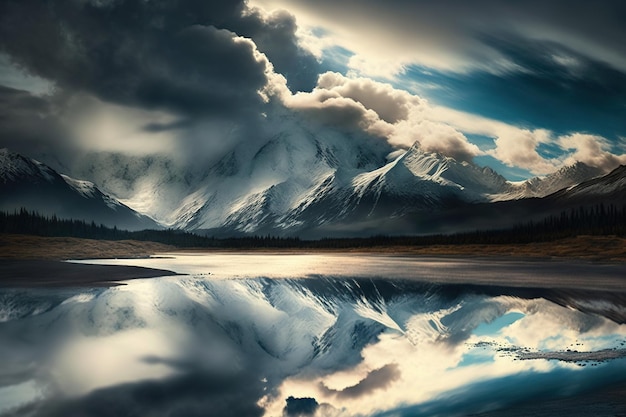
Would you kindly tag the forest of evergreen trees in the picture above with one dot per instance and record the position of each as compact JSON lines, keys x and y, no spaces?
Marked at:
{"x":32,"y":223}
{"x":596,"y":220}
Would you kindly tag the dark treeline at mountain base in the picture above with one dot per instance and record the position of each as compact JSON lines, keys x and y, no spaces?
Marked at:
{"x":596,"y":220}
{"x":32,"y":223}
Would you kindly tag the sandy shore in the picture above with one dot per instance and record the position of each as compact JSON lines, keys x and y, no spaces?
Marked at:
{"x":46,"y":273}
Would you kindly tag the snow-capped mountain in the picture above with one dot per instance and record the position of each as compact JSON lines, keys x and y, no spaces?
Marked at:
{"x":610,"y":188}
{"x":35,"y":186}
{"x":291,"y":185}
{"x":565,"y":177}
{"x":414,"y":181}
{"x":607,"y":190}
{"x":295,"y":179}
{"x":412,"y":185}
{"x":253,"y":185}
{"x":152,"y":185}
{"x":425,"y":179}
{"x":299,"y":182}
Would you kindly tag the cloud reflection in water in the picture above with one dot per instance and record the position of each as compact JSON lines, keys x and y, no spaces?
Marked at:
{"x":325,"y":346}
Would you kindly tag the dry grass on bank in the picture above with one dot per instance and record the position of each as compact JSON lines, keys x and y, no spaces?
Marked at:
{"x":592,"y":248}
{"x":36,"y":247}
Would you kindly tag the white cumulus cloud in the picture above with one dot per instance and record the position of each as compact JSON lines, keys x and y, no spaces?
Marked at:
{"x":592,"y":150}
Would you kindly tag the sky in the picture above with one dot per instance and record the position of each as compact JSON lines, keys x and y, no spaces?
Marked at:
{"x":524,"y":87}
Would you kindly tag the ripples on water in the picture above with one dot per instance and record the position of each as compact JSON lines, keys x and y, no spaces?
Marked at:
{"x":231,"y":339}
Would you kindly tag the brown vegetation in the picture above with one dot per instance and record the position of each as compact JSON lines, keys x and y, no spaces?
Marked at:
{"x":37,"y":247}
{"x":593,"y":248}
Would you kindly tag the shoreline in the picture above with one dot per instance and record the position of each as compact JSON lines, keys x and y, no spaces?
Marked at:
{"x":516,"y":274}
{"x":31,"y":261}
{"x":588,"y":287}
{"x":602,"y":249}
{"x":592,"y":249}
{"x":60,"y":274}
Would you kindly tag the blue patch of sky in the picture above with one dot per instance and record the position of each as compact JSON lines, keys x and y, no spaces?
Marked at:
{"x":514,"y":390}
{"x":494,"y":327}
{"x":335,"y":59}
{"x":475,"y":358}
{"x":619,"y":146}
{"x":524,"y":99}
{"x":485,"y":143}
{"x":320,"y":32}
{"x":549,"y":150}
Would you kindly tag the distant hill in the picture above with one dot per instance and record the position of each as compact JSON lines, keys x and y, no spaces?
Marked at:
{"x":27,"y":183}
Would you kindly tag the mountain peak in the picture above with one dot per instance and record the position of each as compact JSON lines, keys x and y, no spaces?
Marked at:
{"x":417,"y":148}
{"x":14,"y":167}
{"x":571,"y":175}
{"x":577,"y":169}
{"x":610,"y":187}
{"x":621,"y":170}
{"x":25,"y":182}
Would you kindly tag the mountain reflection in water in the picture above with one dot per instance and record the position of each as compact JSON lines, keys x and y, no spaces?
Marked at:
{"x":300,"y":335}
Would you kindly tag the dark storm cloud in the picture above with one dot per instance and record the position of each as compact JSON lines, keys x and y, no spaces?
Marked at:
{"x":183,"y":55}
{"x":20,"y":103}
{"x":192,"y":394}
{"x":300,"y":407}
{"x":375,"y":380}
{"x":28,"y":123}
{"x":596,"y":28}
{"x":275,"y":36}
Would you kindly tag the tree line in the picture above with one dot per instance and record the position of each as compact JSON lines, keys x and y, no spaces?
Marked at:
{"x":32,"y":223}
{"x":596,"y":220}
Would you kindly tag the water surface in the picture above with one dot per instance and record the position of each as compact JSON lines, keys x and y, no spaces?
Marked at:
{"x":323,"y":335}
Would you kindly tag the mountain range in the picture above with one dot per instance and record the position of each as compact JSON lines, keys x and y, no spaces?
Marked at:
{"x":30,"y":184}
{"x":300,"y":184}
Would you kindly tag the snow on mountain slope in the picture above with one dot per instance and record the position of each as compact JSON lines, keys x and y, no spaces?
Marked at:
{"x":13,"y":167}
{"x":608,"y":188}
{"x":30,"y":184}
{"x":340,"y":192}
{"x":565,"y":177}
{"x":418,"y":174}
{"x":414,"y":182}
{"x":293,"y":176}
{"x":152,"y":185}
{"x":277,"y":179}
{"x":396,"y":182}
{"x":332,"y":189}
{"x":254,"y":184}
{"x":89,"y":190}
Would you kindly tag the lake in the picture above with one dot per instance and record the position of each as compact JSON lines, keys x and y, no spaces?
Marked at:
{"x":320,"y":335}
